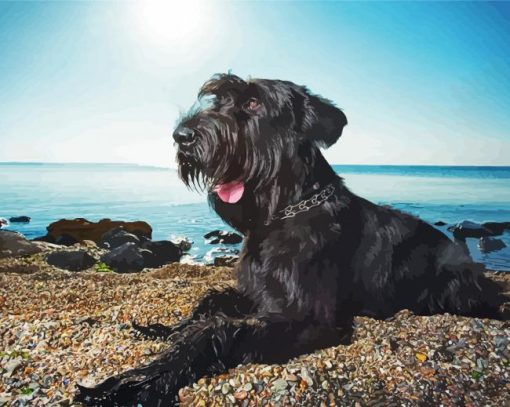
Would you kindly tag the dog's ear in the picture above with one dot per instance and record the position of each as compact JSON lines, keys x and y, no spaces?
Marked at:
{"x":321,"y":121}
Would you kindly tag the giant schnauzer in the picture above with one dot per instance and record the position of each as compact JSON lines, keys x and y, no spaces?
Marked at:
{"x":314,"y":254}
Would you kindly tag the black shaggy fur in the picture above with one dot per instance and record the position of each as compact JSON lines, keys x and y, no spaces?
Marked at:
{"x":302,"y":279}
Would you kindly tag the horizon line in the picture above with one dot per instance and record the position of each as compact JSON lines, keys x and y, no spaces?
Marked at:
{"x":173,"y":168}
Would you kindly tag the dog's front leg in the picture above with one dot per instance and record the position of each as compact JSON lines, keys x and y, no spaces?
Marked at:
{"x":210,"y":346}
{"x":229,"y":302}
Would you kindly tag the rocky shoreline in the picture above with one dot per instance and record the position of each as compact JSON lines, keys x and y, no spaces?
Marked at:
{"x":60,"y":327}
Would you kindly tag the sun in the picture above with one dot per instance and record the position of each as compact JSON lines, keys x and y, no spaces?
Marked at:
{"x":174,"y":23}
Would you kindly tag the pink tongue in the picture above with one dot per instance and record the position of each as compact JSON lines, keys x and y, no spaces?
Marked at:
{"x":231,"y":192}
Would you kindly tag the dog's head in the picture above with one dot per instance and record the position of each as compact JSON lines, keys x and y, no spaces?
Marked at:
{"x":246,"y":134}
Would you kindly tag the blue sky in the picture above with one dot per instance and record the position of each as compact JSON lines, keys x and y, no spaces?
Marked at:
{"x":421,"y":83}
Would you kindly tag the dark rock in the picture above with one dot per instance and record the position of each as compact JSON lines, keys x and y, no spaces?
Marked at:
{"x":62,"y":240}
{"x":472,"y":229}
{"x":19,"y":219}
{"x":81,"y":229}
{"x":13,"y":244}
{"x":497,"y":228}
{"x":469,"y":229}
{"x":183,"y":243}
{"x":73,"y":261}
{"x":442,"y":354}
{"x":225,"y":261}
{"x":46,"y":238}
{"x":117,"y":237}
{"x":163,"y":252}
{"x":90,"y":321}
{"x":490,"y":244}
{"x":3,"y":222}
{"x":440,"y":223}
{"x":65,"y":240}
{"x":127,"y":258}
{"x":223,"y":236}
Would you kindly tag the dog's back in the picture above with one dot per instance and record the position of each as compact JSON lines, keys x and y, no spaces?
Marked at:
{"x":400,"y":261}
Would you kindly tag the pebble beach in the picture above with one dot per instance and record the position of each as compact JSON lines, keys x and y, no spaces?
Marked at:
{"x":59,"y":328}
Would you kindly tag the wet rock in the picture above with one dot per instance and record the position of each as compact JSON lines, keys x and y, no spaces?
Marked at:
{"x":65,"y":240}
{"x":13,"y":244}
{"x":161,"y":252}
{"x":3,"y":222}
{"x":127,"y":258}
{"x":469,"y":229}
{"x":183,"y":243}
{"x":225,"y":261}
{"x":45,"y":238}
{"x":472,"y":229}
{"x":219,"y":251}
{"x":117,"y":237}
{"x":20,"y":219}
{"x":497,"y":228}
{"x":490,"y":244}
{"x":223,"y":236}
{"x":73,"y":261}
{"x":440,"y":223}
{"x":81,"y":229}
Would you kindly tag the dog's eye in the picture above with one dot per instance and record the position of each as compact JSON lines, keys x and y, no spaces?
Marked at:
{"x":252,"y":104}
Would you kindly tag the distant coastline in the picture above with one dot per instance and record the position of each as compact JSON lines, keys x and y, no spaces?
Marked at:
{"x":83,"y":164}
{"x":346,"y":166}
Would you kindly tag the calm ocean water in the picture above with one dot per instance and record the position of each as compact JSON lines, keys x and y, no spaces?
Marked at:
{"x":48,"y":192}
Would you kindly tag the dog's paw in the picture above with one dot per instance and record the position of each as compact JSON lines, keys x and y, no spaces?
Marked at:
{"x":132,"y":388}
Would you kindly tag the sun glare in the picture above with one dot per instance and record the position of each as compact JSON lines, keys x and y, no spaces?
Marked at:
{"x":174,"y":23}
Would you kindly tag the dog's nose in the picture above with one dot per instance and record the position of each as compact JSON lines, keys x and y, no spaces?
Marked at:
{"x":184,"y":135}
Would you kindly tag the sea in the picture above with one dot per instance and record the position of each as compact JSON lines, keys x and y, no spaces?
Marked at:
{"x":49,"y":192}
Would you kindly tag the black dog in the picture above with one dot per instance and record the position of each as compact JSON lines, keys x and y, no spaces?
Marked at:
{"x":314,"y":254}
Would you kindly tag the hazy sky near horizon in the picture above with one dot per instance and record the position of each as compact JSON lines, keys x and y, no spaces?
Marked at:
{"x":420,"y":83}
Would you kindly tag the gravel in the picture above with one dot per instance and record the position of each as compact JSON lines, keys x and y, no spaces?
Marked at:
{"x":59,"y":328}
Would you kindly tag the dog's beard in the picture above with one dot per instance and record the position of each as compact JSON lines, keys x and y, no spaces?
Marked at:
{"x":190,"y":172}
{"x":228,"y":163}
{"x":223,"y":177}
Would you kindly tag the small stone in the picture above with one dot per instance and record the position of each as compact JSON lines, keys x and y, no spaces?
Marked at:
{"x":247,"y":387}
{"x":306,"y":376}
{"x":183,"y":397}
{"x":279,"y":385}
{"x":421,"y":357}
{"x":241,"y":395}
{"x":11,"y":366}
{"x":226,"y":388}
